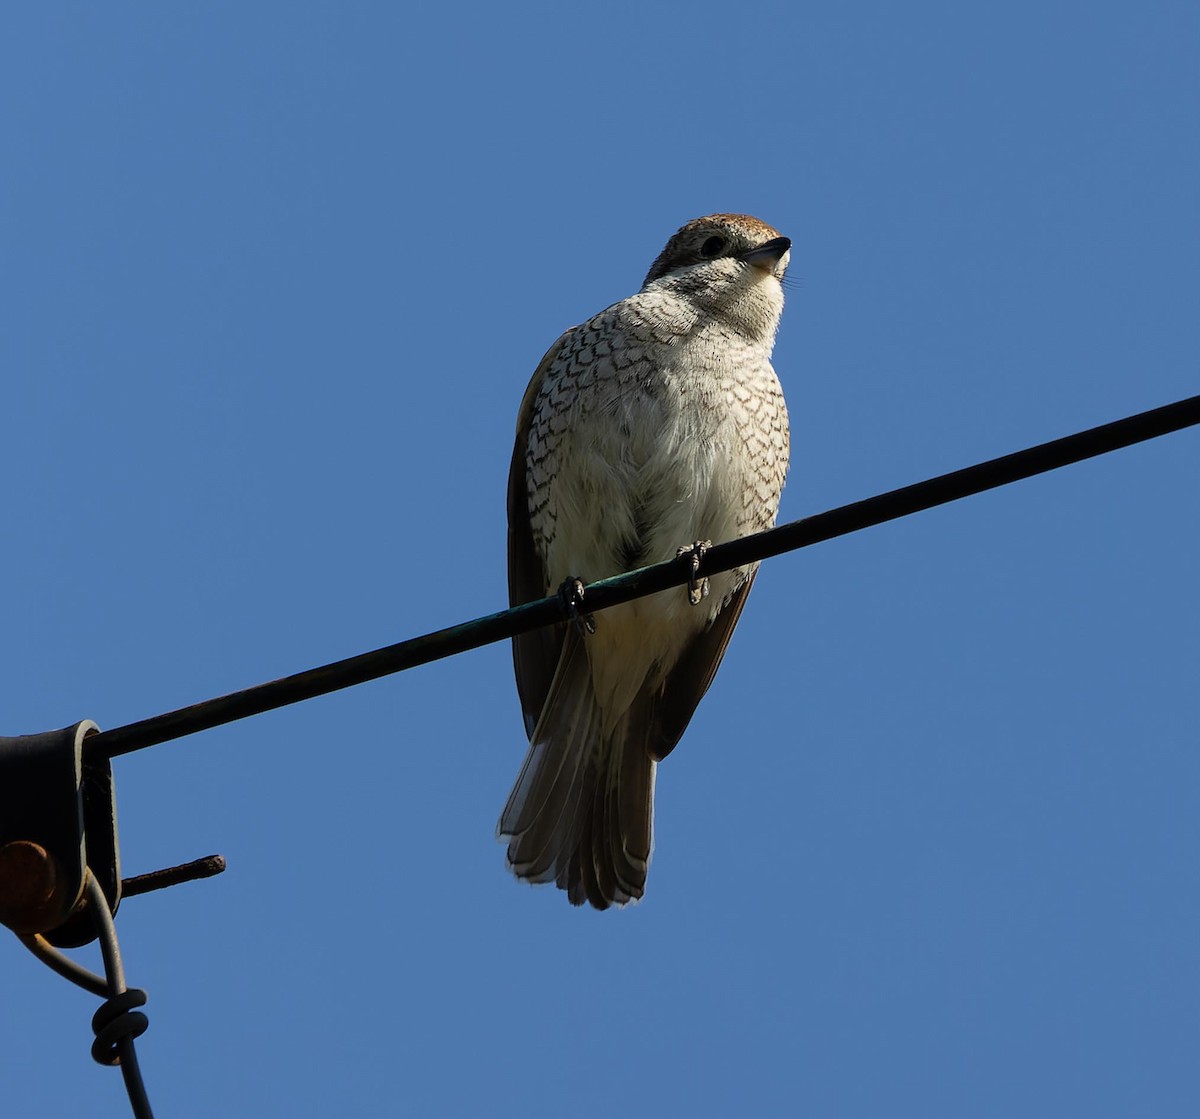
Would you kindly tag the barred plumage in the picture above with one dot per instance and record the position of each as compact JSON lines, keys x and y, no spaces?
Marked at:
{"x":655,"y":424}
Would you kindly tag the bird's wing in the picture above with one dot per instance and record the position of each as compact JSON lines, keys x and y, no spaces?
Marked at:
{"x":535,"y":654}
{"x":684,"y":686}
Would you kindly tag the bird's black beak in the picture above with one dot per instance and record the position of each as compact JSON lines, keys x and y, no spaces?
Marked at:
{"x":769,"y":255}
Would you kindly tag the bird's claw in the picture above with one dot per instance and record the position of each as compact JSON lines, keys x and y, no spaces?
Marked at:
{"x":571,"y":594}
{"x":697,"y":585}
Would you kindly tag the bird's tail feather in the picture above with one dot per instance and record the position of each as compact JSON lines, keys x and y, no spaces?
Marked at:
{"x":609,"y":863}
{"x":581,"y":811}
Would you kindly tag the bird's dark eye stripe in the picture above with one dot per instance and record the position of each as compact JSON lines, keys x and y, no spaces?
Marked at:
{"x":712,"y":246}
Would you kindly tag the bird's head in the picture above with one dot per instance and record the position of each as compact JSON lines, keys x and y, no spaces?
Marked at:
{"x":730,"y":266}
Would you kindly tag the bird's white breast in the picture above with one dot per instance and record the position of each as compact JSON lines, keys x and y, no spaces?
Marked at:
{"x":655,"y":427}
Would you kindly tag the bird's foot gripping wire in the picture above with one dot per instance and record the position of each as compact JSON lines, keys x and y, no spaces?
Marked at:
{"x":697,"y":585}
{"x":571,"y":593}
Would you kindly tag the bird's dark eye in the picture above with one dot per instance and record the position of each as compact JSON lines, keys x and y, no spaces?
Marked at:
{"x":712,"y":246}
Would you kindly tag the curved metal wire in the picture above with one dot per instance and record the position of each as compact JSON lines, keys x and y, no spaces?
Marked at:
{"x":117,"y":1023}
{"x":110,"y":950}
{"x":65,"y":966}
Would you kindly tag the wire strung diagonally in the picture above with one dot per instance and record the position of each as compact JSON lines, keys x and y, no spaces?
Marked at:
{"x":647,"y":580}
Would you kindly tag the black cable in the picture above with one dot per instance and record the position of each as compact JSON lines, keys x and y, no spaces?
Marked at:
{"x":647,"y":580}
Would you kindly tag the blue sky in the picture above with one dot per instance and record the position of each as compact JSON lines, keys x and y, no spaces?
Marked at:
{"x":274,"y":279}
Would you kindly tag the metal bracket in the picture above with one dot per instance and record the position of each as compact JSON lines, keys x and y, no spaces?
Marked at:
{"x":58,"y":818}
{"x":60,"y":877}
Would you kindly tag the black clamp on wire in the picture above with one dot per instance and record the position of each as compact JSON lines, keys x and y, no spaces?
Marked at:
{"x":58,"y":819}
{"x":60,"y":878}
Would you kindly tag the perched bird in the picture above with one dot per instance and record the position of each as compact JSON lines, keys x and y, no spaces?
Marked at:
{"x":651,"y":430}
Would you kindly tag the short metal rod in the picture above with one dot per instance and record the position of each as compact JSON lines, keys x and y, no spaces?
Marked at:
{"x":172,"y":876}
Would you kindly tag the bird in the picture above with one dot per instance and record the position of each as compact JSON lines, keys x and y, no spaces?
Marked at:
{"x":646,"y":432}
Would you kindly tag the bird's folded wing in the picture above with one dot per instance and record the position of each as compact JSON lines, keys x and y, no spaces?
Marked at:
{"x":535,"y":654}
